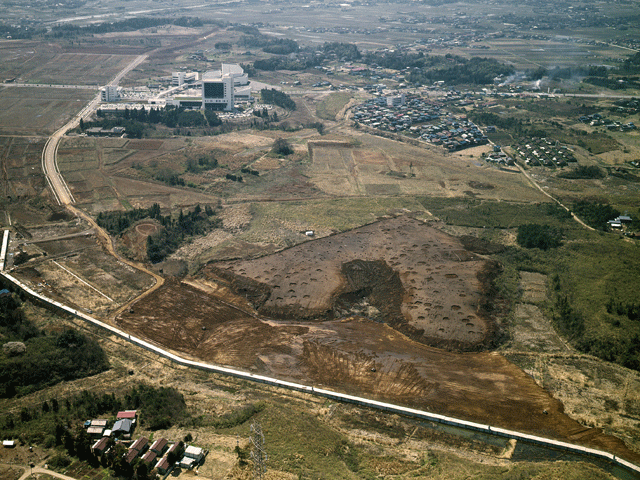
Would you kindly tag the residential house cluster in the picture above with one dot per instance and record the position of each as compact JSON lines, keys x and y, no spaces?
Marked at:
{"x":122,"y":427}
{"x":623,"y":127}
{"x":415,"y":115}
{"x":499,"y":157}
{"x":454,"y":134}
{"x":596,"y":120}
{"x":161,"y":454}
{"x":377,"y":113}
{"x":620,"y":221}
{"x":542,"y":151}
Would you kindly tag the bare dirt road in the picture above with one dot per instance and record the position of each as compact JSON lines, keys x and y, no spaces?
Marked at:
{"x":61,"y":190}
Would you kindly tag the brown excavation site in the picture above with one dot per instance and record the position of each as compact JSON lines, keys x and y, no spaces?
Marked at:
{"x":361,"y":312}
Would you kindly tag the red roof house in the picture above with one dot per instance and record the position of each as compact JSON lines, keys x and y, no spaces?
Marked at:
{"x":129,"y":414}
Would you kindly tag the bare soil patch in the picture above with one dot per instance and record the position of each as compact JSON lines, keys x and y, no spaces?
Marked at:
{"x":400,"y":271}
{"x":41,"y":110}
{"x":146,"y":229}
{"x":70,"y":266}
{"x":531,"y":330}
{"x":354,"y":355}
{"x":375,"y":165}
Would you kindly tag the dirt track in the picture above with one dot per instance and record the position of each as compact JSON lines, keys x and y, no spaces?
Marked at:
{"x":205,"y":319}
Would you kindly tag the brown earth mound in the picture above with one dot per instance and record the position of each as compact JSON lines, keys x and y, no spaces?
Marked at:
{"x":400,"y":271}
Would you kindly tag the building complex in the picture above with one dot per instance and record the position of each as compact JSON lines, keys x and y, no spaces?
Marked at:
{"x":216,"y":90}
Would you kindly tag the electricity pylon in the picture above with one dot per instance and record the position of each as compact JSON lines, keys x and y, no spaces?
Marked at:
{"x":258,"y":453}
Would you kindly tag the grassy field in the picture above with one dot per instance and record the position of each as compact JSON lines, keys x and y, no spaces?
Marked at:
{"x":324,"y":216}
{"x":491,"y":214}
{"x":328,"y":108}
{"x":41,"y":110}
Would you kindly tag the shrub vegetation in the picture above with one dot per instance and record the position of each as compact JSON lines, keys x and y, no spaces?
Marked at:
{"x":281,"y":147}
{"x":276,"y":97}
{"x":595,"y":214}
{"x":47,"y":358}
{"x":582,"y":172}
{"x":544,"y":237}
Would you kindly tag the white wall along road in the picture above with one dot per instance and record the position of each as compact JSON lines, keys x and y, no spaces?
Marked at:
{"x":64,"y":197}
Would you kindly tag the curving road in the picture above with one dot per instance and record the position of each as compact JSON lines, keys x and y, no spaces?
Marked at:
{"x":55,"y":180}
{"x":63,"y":194}
{"x":38,"y":470}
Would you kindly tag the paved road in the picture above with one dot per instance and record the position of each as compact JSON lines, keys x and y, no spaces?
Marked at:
{"x":50,"y":85}
{"x":61,"y":190}
{"x":127,"y":69}
{"x":55,"y":180}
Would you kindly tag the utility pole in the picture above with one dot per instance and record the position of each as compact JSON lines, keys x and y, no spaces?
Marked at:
{"x":258,"y":453}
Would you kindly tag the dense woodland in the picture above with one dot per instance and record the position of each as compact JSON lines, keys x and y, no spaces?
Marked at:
{"x":276,"y":97}
{"x":177,"y":230}
{"x":476,"y":71}
{"x":33,"y":359}
{"x":595,"y":214}
{"x":21,"y":32}
{"x":424,"y":69}
{"x":544,"y":237}
{"x":623,"y":350}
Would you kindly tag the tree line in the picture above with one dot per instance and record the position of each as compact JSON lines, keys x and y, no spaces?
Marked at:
{"x":116,"y":222}
{"x":128,"y":25}
{"x":455,"y":69}
{"x":305,"y":57}
{"x":170,"y":116}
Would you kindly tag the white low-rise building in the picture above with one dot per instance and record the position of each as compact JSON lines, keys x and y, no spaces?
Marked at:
{"x":110,"y":93}
{"x":180,"y":78}
{"x":236,"y":72}
{"x":194,"y":452}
